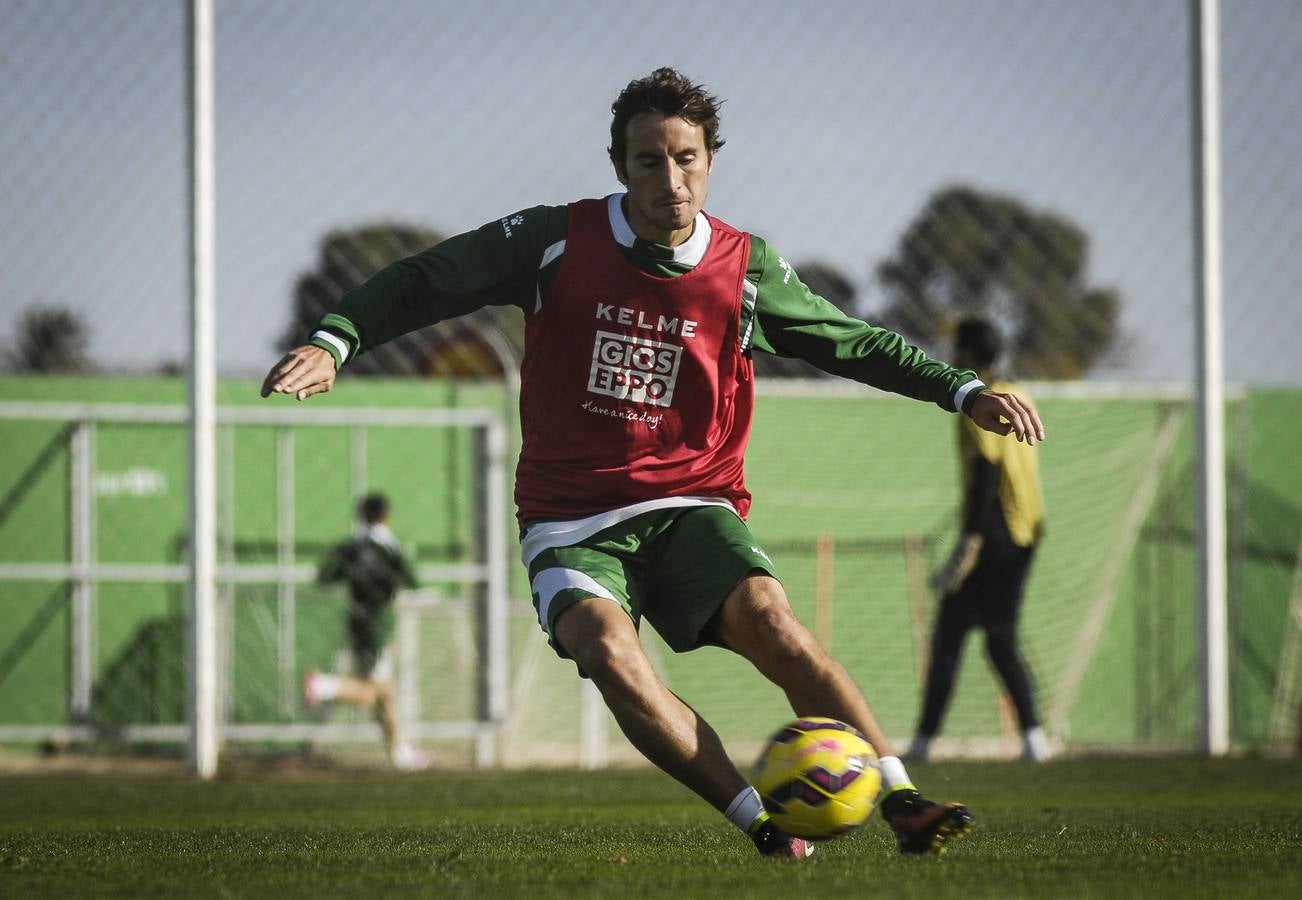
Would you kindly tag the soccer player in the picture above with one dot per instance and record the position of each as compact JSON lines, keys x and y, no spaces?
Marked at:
{"x":373,"y":565}
{"x":642,"y":314}
{"x":981,"y":583}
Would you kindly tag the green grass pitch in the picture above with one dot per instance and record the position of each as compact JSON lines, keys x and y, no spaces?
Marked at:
{"x":1109,"y":828}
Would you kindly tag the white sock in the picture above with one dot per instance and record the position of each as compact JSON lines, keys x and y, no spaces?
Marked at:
{"x":745,"y":809}
{"x":325,"y":687}
{"x":1035,"y":747}
{"x":894,"y":777}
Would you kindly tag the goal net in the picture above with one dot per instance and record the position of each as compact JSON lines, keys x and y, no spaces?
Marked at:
{"x":856,"y":499}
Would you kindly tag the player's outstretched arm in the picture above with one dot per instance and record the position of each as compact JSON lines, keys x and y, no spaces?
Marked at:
{"x":1003,"y":413}
{"x":303,"y":371}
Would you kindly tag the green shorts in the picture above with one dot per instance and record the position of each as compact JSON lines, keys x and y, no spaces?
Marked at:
{"x":369,"y":632}
{"x":675,"y":567}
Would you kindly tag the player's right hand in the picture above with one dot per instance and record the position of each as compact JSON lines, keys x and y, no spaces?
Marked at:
{"x":303,"y":371}
{"x":1004,"y":413}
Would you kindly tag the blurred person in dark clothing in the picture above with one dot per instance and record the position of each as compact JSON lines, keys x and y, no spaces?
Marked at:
{"x":374,"y":566}
{"x":982,"y":583}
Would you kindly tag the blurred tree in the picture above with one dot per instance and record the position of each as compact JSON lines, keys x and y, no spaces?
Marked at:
{"x":828,"y":282}
{"x":970,"y":252}
{"x":478,"y":345}
{"x":50,"y":339}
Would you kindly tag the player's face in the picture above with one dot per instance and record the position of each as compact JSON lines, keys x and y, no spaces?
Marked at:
{"x":667,"y":171}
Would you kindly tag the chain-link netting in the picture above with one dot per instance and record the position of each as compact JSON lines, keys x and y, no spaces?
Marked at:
{"x":1030,"y":162}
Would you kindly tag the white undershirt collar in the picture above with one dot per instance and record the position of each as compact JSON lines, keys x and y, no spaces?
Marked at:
{"x":689,"y":253}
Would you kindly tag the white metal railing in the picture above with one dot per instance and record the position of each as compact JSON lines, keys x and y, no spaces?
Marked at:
{"x":486,"y":577}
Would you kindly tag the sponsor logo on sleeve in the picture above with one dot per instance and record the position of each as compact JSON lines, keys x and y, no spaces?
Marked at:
{"x":509,"y":221}
{"x":786,"y":267}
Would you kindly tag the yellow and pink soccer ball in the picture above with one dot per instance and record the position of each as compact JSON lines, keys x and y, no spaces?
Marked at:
{"x":818,"y":778}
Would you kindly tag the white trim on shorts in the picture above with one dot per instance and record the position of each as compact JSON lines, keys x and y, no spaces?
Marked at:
{"x":567,"y":532}
{"x":383,"y":668}
{"x":550,"y":582}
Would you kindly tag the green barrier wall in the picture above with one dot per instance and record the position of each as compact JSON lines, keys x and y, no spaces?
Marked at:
{"x":874,"y":476}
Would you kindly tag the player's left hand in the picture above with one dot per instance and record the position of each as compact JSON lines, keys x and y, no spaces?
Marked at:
{"x":962,"y":560}
{"x":303,"y":371}
{"x":943,"y":580}
{"x":1004,"y":413}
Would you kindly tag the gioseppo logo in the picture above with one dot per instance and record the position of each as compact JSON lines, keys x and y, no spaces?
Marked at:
{"x":634,"y":368}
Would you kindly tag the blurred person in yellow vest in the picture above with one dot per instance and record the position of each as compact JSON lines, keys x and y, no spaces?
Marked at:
{"x":982,"y":583}
{"x":374,"y":566}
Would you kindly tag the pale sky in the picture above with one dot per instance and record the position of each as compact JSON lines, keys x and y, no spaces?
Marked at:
{"x":841,"y":119}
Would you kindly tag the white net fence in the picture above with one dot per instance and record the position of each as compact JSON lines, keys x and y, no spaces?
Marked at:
{"x":915,"y":161}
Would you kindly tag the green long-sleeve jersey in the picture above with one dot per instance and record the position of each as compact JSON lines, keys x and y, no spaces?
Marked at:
{"x":513,"y":262}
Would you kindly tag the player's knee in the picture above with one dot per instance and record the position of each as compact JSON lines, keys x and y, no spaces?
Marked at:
{"x":606,"y":657}
{"x":779,"y":639}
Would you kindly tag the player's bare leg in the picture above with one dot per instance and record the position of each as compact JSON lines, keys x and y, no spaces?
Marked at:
{"x":756,"y":621}
{"x":386,"y":713}
{"x":405,"y":756}
{"x":367,"y":693}
{"x":322,"y":688}
{"x":601,"y":638}
{"x":361,"y":692}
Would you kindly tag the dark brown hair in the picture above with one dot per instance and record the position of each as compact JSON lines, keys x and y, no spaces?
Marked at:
{"x":669,"y":93}
{"x":373,"y":508}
